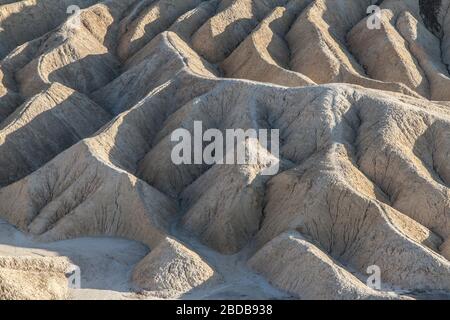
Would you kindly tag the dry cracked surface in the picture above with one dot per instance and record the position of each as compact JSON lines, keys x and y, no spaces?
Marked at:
{"x":88,"y":104}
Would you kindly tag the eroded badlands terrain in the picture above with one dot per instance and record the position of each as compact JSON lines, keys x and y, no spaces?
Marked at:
{"x":88,"y":103}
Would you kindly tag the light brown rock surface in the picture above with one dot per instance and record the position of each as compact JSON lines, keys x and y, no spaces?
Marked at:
{"x":171,"y":269}
{"x":32,"y":278}
{"x":299,"y":267}
{"x":87,"y":111}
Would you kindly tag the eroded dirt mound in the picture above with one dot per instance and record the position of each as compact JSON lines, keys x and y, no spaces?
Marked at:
{"x":88,"y":104}
{"x":171,"y":269}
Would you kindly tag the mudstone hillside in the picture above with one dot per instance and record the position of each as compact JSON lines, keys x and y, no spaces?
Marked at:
{"x":88,"y":102}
